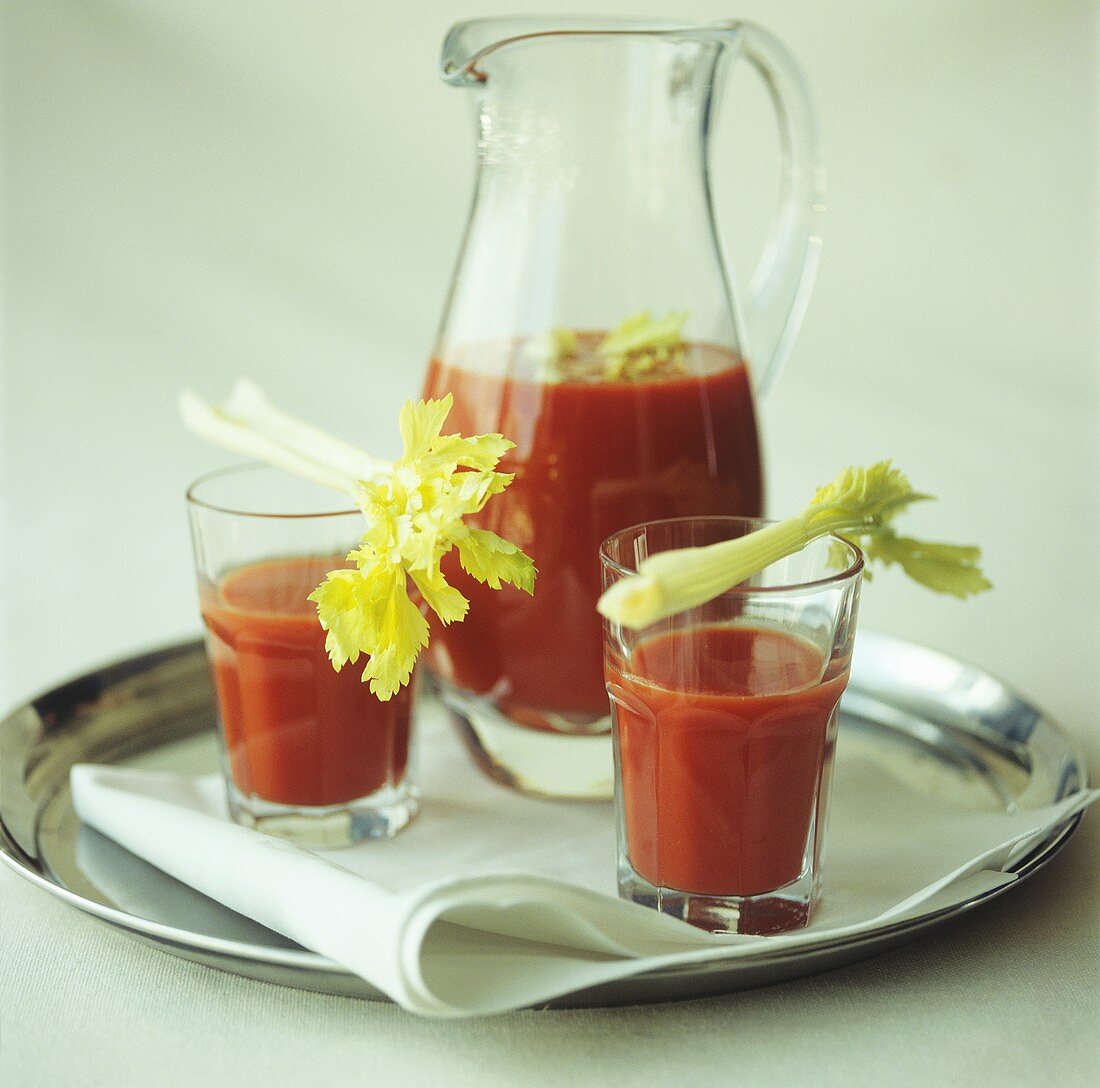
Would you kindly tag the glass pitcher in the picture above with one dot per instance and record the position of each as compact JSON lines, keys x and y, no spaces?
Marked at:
{"x":592,"y":206}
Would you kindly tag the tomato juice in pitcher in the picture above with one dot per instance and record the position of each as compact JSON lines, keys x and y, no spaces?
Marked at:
{"x":592,"y":456}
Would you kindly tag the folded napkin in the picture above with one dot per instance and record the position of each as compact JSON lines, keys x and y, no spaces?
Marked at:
{"x":493,"y":901}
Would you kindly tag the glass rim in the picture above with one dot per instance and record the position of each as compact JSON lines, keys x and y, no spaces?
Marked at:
{"x":262,"y":515}
{"x":848,"y":574}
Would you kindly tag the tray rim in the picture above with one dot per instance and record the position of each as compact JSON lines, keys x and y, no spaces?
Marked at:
{"x":168,"y":937}
{"x":303,"y":958}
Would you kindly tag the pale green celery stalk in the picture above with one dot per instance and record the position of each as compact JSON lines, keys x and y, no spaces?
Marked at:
{"x":860,"y":503}
{"x":249,"y":425}
{"x":677,"y":580}
{"x":414,"y":512}
{"x":248,"y":404}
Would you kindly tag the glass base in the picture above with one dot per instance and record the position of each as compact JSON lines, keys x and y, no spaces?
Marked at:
{"x":540,"y":762}
{"x":379,"y":816}
{"x":786,"y":908}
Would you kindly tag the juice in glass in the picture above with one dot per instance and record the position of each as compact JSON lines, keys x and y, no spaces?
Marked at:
{"x":296,"y":732}
{"x":308,"y":753}
{"x":725,"y":723}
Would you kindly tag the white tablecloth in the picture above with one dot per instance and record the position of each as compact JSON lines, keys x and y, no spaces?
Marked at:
{"x":195,"y":191}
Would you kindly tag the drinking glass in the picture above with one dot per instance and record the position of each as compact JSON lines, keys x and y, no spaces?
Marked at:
{"x":725,"y":720}
{"x":309,"y":754}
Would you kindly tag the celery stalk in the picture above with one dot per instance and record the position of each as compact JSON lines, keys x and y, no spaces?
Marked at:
{"x":858,"y":505}
{"x":414,"y":510}
{"x":222,"y":428}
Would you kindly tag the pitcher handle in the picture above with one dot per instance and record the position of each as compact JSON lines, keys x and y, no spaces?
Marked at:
{"x":779,"y":289}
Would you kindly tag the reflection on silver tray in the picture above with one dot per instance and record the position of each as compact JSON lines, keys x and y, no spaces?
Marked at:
{"x":941,"y":725}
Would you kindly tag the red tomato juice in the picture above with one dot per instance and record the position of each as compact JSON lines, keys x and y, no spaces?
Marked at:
{"x":592,"y":457}
{"x":296,"y":732}
{"x":722,"y":735}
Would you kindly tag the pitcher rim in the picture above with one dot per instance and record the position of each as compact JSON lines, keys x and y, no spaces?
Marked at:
{"x":458,"y":64}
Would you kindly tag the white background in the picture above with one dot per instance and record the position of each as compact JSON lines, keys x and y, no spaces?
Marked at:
{"x":193,"y":191}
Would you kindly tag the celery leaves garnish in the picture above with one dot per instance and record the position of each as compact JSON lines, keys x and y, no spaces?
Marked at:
{"x":641,"y":343}
{"x":946,"y":568}
{"x":414,"y":510}
{"x":489,"y":559}
{"x":642,"y":332}
{"x":859,"y":505}
{"x":414,"y":519}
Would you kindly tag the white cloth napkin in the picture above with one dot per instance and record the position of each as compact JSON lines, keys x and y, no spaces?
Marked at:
{"x":492,"y":901}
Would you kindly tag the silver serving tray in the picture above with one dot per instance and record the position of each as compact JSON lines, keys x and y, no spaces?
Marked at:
{"x":936,"y":720}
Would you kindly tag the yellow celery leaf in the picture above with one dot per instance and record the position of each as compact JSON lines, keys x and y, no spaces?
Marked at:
{"x":614,"y":368}
{"x":388,"y":532}
{"x":488,"y":558}
{"x":451,"y":451}
{"x":870,"y":495}
{"x":428,"y":451}
{"x":400,"y":633}
{"x":340,"y":601}
{"x":945,"y":568}
{"x":470,"y":491}
{"x":642,"y":332}
{"x":421,"y":424}
{"x":443,"y":599}
{"x":413,"y":519}
{"x":368,"y":611}
{"x":463,"y":493}
{"x":861,"y":503}
{"x":427,"y":543}
{"x":382,"y":511}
